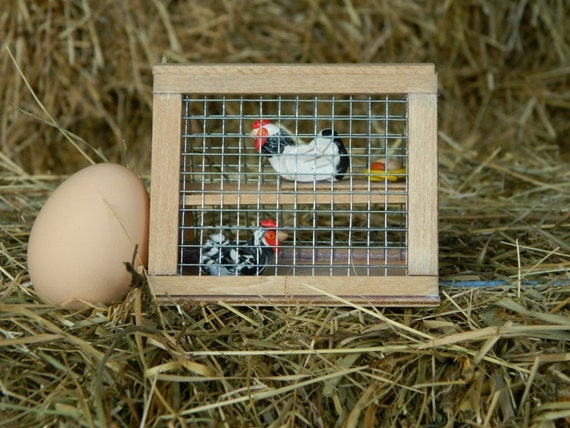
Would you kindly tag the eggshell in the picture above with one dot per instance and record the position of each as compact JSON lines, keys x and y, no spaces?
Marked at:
{"x":85,"y":232}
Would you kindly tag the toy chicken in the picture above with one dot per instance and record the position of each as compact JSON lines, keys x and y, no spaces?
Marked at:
{"x":323,"y":159}
{"x":222,"y":257}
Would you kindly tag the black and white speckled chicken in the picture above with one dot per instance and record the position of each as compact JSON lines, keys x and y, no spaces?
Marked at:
{"x":222,"y":257}
{"x":323,"y":159}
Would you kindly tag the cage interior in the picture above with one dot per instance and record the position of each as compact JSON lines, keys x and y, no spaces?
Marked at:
{"x":355,"y":225}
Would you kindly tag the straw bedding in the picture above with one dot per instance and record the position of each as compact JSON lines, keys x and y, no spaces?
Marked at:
{"x":76,"y":85}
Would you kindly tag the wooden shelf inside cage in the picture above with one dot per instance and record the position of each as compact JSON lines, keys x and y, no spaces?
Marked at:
{"x":360,"y":192}
{"x":355,"y":240}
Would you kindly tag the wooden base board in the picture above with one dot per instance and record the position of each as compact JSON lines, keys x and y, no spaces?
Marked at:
{"x":306,"y":290}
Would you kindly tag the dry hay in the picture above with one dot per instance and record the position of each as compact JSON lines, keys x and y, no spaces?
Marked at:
{"x":492,"y":356}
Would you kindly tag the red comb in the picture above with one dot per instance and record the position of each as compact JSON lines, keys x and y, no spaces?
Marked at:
{"x":268,"y":223}
{"x":260,"y":123}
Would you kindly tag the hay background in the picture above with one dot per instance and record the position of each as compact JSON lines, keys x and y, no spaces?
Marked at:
{"x":487,"y":356}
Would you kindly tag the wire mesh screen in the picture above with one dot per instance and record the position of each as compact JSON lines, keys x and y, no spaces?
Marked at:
{"x":338,"y":188}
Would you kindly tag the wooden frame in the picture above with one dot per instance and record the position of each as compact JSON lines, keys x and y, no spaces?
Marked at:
{"x":418,"y":81}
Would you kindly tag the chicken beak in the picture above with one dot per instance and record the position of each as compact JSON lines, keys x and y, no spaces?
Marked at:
{"x":281,"y":236}
{"x":260,"y":134}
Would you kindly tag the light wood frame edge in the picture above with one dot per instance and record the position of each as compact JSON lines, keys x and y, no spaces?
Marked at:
{"x":165,"y":184}
{"x":294,"y":79}
{"x":279,"y":290}
{"x":423,"y":188}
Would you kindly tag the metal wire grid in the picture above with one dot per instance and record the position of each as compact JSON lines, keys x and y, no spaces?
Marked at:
{"x":356,"y":226}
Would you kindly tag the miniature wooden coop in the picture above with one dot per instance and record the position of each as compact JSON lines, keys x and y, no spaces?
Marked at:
{"x":370,"y":237}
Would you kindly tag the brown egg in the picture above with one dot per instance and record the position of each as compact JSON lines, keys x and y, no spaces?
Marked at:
{"x":85,"y":232}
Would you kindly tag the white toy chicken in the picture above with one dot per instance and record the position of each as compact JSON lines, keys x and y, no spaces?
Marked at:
{"x":221,"y":257}
{"x":323,"y":159}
